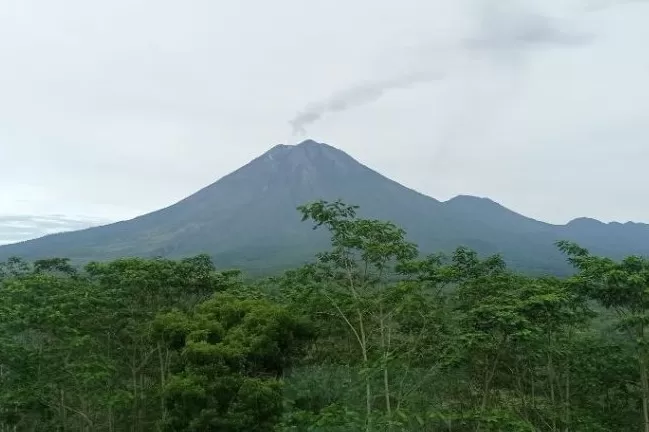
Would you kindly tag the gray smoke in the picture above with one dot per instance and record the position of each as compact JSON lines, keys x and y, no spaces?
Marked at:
{"x":504,"y":30}
{"x":358,"y":95}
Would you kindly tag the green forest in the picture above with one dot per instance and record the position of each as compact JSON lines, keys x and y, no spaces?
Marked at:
{"x":369,"y":336}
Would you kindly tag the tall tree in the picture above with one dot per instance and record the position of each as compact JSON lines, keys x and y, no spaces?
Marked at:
{"x":623,"y":287}
{"x":231,"y":354}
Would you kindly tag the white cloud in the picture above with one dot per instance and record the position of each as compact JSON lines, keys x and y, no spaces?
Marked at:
{"x":15,"y":228}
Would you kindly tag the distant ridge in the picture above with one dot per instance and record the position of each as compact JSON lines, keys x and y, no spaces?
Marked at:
{"x":248,"y":219}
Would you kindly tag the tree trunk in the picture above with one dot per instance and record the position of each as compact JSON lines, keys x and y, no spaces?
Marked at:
{"x":64,"y":419}
{"x":111,"y":427}
{"x":567,"y":387}
{"x":134,"y":412}
{"x":385,"y":345}
{"x":551,"y":379}
{"x":645,"y":390}
{"x":163,"y":375}
{"x":368,"y":385}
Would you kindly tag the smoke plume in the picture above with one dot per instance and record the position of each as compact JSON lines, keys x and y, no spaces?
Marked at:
{"x":355,"y":96}
{"x":504,"y":30}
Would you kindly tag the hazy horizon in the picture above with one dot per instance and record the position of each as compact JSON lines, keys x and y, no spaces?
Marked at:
{"x":17,"y":228}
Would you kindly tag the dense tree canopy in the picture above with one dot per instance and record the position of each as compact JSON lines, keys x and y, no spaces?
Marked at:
{"x":369,"y":336}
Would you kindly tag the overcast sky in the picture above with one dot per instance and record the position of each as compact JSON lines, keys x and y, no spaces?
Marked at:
{"x":110,"y":109}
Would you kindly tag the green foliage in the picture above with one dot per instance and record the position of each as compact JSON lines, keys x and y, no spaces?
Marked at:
{"x":368,"y":337}
{"x":232,"y":353}
{"x":624,"y":287}
{"x":78,"y":347}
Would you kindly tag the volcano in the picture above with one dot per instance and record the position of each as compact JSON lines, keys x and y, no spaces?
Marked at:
{"x":248,"y":219}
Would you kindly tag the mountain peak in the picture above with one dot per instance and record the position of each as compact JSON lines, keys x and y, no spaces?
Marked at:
{"x":470,"y":199}
{"x":308,"y":153}
{"x":305,"y":145}
{"x":310,"y":143}
{"x":586,"y":221}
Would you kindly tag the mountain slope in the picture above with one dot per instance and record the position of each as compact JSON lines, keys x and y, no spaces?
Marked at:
{"x":248,"y":219}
